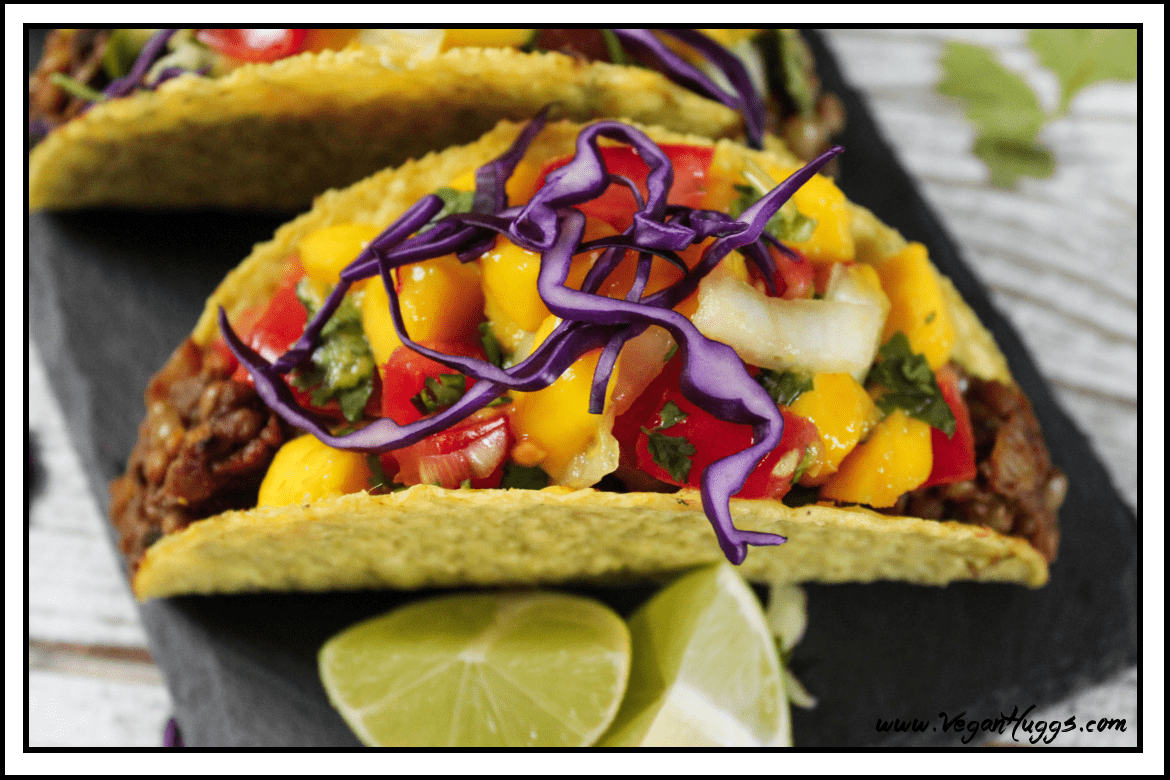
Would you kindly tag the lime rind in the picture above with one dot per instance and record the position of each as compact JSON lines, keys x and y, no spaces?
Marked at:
{"x":704,"y":671}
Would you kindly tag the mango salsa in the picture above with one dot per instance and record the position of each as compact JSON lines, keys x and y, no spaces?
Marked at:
{"x":917,"y":305}
{"x":895,"y":458}
{"x":843,"y":412}
{"x":305,"y":470}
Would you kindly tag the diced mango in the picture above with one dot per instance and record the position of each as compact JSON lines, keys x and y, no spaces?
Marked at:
{"x":917,"y":306}
{"x":441,"y":301}
{"x":491,"y":37}
{"x":512,"y":301}
{"x":822,"y":200}
{"x":557,"y":419}
{"x":894,"y":459}
{"x":843,"y":413}
{"x":325,"y":252}
{"x":509,"y":284}
{"x":305,"y":470}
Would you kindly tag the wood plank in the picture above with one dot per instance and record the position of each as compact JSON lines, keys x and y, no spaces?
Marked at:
{"x":77,"y":592}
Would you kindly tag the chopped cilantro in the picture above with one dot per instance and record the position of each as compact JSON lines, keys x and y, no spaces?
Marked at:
{"x":439,"y":392}
{"x":491,"y":345}
{"x":378,"y":478}
{"x":341,"y":367}
{"x":909,"y":384}
{"x":785,"y":386}
{"x":672,"y":453}
{"x":671,"y":415}
{"x":524,"y":477}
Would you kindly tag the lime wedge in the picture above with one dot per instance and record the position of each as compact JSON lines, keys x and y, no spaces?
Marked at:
{"x":705,"y":669}
{"x":479,"y":670}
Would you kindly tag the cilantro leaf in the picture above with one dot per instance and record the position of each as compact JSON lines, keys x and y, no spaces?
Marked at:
{"x":671,"y":415}
{"x":785,"y":386}
{"x":439,"y":392}
{"x":1006,"y":112}
{"x":672,"y":453}
{"x":999,"y":103}
{"x":1083,"y":57}
{"x":491,"y":345}
{"x":909,"y":384}
{"x":341,"y":367}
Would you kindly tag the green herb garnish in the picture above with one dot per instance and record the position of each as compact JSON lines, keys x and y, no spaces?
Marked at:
{"x":491,"y":345}
{"x":341,"y":367}
{"x":439,"y":392}
{"x":909,"y":385}
{"x":671,"y":415}
{"x":785,"y":386}
{"x":1004,"y":109}
{"x":454,"y":202}
{"x":672,"y":453}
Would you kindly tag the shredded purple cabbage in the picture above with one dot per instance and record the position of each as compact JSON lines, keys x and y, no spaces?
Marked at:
{"x":135,"y":78}
{"x":713,"y":375}
{"x":745,"y":98}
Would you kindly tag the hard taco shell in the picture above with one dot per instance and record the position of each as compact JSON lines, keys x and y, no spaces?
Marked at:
{"x":272,"y":136}
{"x":428,"y":536}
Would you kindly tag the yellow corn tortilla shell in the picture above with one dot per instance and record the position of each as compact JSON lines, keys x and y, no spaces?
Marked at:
{"x":428,"y":536}
{"x":272,"y":136}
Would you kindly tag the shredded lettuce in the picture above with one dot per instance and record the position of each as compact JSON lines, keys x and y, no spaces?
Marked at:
{"x":713,"y":376}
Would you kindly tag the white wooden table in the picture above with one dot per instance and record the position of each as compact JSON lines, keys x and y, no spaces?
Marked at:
{"x":1060,"y":256}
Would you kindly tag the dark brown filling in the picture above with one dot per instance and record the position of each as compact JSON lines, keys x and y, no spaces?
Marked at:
{"x":203,"y":449}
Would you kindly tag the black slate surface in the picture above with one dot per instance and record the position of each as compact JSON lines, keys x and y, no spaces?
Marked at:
{"x":112,"y":293}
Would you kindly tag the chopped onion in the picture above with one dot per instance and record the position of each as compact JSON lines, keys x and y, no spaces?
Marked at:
{"x":834,"y":336}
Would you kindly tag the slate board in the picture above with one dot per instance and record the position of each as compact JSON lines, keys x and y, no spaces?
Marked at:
{"x":111,"y":293}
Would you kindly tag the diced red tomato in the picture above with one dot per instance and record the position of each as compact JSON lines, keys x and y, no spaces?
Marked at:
{"x":711,"y":437}
{"x":793,"y":278}
{"x":273,"y":328}
{"x":954,"y":458}
{"x":617,"y":205}
{"x":404,"y":375}
{"x":254,"y":45}
{"x":473,"y":451}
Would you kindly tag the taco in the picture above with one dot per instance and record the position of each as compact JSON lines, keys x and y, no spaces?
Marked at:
{"x":268,"y":119}
{"x":366,"y":397}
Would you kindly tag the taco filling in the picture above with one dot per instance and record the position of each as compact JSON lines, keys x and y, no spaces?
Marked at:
{"x":633,"y":317}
